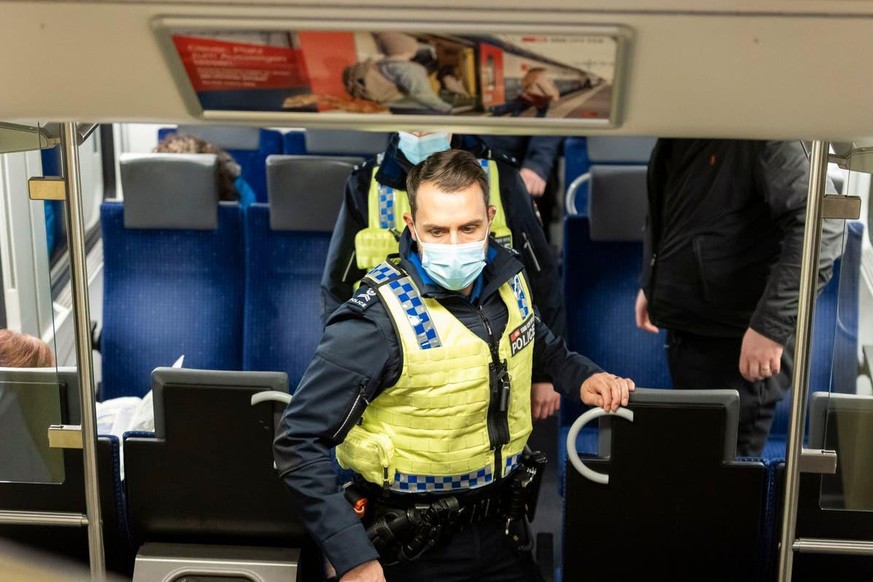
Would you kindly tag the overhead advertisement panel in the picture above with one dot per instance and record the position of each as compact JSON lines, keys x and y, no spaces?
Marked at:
{"x":501,"y":78}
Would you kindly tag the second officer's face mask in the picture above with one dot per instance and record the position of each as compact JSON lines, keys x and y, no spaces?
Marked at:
{"x":453,"y":266}
{"x":417,"y":148}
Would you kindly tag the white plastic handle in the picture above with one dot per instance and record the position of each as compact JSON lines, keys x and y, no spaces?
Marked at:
{"x":271,"y":396}
{"x":573,"y":454}
{"x":570,"y":200}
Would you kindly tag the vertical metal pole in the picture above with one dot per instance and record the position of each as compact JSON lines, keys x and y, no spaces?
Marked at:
{"x":818,"y":167}
{"x":82,"y":313}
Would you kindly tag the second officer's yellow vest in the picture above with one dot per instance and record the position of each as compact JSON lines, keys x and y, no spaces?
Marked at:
{"x":432,"y":430}
{"x":385,"y":219}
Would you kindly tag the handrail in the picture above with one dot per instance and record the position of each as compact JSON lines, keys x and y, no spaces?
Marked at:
{"x":573,"y":453}
{"x":570,"y":200}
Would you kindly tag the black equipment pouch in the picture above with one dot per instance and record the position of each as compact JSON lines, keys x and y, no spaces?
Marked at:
{"x":403,"y":535}
{"x":520,"y":498}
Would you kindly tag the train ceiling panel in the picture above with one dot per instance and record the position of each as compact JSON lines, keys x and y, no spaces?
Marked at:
{"x":764,"y":69}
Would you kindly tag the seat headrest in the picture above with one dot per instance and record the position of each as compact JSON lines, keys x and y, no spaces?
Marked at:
{"x":172,"y":191}
{"x":627,"y":150}
{"x":226,"y":137}
{"x":617,"y":203}
{"x":306,"y":192}
{"x":341,"y":141}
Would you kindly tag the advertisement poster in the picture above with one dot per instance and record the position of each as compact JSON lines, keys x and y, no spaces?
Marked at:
{"x":397,"y":73}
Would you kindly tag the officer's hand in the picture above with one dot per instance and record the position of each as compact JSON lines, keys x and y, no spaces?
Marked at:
{"x":642,"y":312}
{"x":534,"y":183}
{"x":544,"y":401}
{"x":367,"y":572}
{"x":607,"y":391}
{"x":760,"y":357}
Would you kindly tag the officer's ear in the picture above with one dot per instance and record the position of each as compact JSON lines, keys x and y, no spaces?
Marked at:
{"x":492,"y":211}
{"x":407,"y":218}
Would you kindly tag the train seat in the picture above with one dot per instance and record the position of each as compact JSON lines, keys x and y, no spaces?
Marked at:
{"x":286,"y":248}
{"x":173,"y":272}
{"x":602,"y":263}
{"x":249,"y":146}
{"x":834,"y":365}
{"x":345,"y":142}
{"x":580,"y":153}
{"x":670,"y":495}
{"x":206,"y":477}
{"x":45,"y":396}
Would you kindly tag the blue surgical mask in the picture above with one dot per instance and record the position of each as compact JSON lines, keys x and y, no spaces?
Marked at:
{"x":417,"y":149}
{"x":454,"y":267}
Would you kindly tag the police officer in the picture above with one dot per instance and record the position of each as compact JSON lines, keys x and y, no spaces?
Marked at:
{"x":421,"y":382}
{"x":370,"y":221}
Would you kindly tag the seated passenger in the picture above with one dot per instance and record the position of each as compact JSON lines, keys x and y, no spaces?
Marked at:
{"x":231,"y":185}
{"x":18,"y":350}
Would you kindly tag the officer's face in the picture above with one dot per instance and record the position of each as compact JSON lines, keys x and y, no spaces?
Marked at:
{"x":450,"y":217}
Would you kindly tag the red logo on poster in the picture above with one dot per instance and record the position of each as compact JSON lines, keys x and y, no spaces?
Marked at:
{"x":217,"y":64}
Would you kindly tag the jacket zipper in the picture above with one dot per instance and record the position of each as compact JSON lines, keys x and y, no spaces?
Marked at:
{"x":362,"y":395}
{"x":498,"y":427}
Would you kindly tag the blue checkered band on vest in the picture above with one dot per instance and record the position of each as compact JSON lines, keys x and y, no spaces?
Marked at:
{"x":424,"y":483}
{"x":520,"y":296}
{"x":382,"y":273}
{"x":386,"y":207}
{"x":510,"y":463}
{"x":416,"y":312}
{"x":484,"y":164}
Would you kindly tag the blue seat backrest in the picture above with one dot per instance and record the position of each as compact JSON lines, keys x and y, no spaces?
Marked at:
{"x":249,"y":146}
{"x":170,"y":292}
{"x":834,"y":365}
{"x":601,"y":281}
{"x":294,"y":142}
{"x":286,"y":248}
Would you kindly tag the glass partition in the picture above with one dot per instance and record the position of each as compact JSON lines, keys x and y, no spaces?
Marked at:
{"x":842,"y":419}
{"x":31,"y":396}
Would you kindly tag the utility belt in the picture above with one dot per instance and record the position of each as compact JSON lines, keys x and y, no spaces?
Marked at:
{"x":403,"y":526}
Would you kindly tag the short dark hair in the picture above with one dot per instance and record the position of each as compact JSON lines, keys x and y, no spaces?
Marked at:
{"x":450,"y":171}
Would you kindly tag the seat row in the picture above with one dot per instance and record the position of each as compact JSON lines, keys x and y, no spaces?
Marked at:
{"x":227,"y":288}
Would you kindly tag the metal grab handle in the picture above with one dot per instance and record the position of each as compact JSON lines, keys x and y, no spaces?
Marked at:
{"x":573,"y":454}
{"x":570,"y":200}
{"x":271,"y":396}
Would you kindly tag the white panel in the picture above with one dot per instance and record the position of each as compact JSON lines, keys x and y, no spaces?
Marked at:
{"x":766,"y":73}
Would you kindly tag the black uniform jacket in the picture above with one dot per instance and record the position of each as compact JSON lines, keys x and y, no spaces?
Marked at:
{"x":341,"y":271}
{"x":357,"y":358}
{"x":724,"y":236}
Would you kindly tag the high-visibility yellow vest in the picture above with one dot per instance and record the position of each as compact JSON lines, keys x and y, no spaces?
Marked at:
{"x":386,"y":206}
{"x":432,"y":431}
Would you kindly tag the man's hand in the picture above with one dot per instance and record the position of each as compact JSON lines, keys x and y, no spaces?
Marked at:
{"x":367,"y":572}
{"x":607,"y":391}
{"x":535,"y":184}
{"x":544,"y":401}
{"x":760,"y":357}
{"x":642,"y":313}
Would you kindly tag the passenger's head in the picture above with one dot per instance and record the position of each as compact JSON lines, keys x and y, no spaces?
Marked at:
{"x":18,"y":350}
{"x":396,"y":44}
{"x":228,"y":169}
{"x":449,"y":199}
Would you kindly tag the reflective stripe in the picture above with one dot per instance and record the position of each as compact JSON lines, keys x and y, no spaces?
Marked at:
{"x":520,"y":296}
{"x":387,"y":218}
{"x":416,"y":313}
{"x":472,"y":480}
{"x":381,"y":273}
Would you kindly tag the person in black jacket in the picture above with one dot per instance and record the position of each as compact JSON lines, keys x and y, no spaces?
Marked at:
{"x":424,"y":371}
{"x":722,"y":268}
{"x":344,"y":266}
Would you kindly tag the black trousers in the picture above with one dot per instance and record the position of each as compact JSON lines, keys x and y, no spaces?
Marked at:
{"x":481,"y":553}
{"x":698,"y":362}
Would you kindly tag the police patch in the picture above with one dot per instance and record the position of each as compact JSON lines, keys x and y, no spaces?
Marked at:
{"x":523,"y":335}
{"x":362,"y":299}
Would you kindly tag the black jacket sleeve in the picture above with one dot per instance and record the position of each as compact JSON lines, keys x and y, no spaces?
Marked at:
{"x":783,"y":178}
{"x":542,"y":150}
{"x":536,"y":254}
{"x":352,"y":361}
{"x":567,"y":369}
{"x":341,"y":270}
